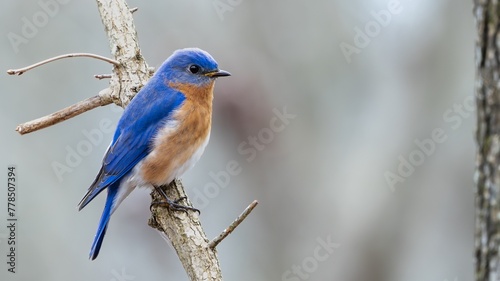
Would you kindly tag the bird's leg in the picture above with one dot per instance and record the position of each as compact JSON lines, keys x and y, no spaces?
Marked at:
{"x":172,"y":204}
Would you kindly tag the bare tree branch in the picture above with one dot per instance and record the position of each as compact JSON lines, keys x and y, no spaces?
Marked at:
{"x":130,"y":71}
{"x":133,"y":71}
{"x":102,"y":76}
{"x":20,"y":71}
{"x":187,"y":236}
{"x":233,"y":225}
{"x":64,"y":114}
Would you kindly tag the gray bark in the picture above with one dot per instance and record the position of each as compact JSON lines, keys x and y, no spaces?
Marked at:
{"x":487,"y":176}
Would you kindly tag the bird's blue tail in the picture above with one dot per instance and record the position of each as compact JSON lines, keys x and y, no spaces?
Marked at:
{"x":103,"y":223}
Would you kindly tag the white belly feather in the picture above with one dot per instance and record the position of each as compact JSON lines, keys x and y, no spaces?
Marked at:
{"x":134,"y":178}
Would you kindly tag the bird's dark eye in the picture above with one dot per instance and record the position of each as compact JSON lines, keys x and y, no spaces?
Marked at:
{"x":194,"y":68}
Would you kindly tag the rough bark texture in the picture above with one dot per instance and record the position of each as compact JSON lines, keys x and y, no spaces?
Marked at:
{"x":133,"y":72}
{"x":183,"y":229}
{"x":487,"y":233}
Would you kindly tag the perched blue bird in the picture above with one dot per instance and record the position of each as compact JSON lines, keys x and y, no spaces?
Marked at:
{"x":161,"y":134}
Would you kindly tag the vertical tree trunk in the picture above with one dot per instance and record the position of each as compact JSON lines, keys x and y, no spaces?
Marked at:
{"x":487,"y":176}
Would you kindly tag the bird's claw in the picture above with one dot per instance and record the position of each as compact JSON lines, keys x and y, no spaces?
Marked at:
{"x":172,"y":204}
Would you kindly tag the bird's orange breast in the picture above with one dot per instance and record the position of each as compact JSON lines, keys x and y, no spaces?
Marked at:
{"x":176,"y":144}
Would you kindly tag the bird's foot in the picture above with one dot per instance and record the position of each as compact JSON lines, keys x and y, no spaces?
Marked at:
{"x":172,"y":204}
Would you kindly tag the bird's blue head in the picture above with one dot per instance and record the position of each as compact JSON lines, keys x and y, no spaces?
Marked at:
{"x":191,"y":65}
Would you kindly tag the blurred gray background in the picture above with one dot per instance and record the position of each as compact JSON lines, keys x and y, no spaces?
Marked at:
{"x":321,"y":177}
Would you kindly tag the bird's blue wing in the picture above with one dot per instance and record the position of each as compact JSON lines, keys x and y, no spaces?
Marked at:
{"x":147,"y":112}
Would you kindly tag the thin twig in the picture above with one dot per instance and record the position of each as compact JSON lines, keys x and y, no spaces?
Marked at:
{"x":133,"y":10}
{"x":63,"y":114}
{"x":233,"y":225}
{"x":102,"y":76}
{"x":24,"y":69}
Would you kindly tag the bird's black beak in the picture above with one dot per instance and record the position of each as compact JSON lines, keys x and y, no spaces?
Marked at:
{"x":218,"y":73}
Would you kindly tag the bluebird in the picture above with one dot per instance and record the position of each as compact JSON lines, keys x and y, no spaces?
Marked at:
{"x":161,"y":134}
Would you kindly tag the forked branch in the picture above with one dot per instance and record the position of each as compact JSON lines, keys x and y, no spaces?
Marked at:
{"x":104,"y":97}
